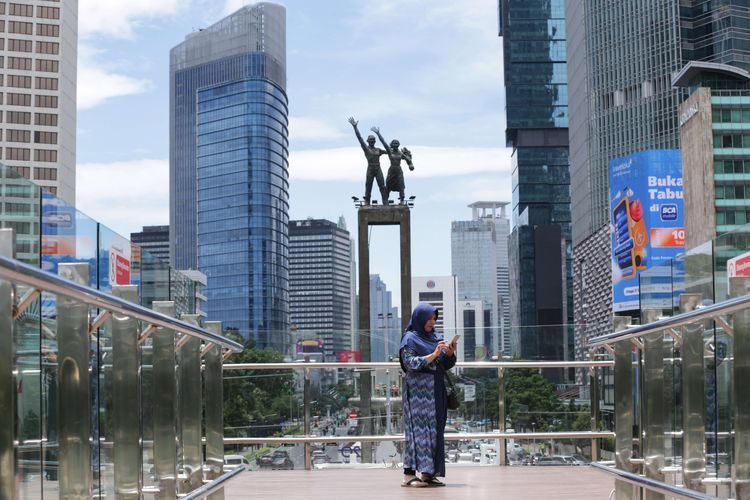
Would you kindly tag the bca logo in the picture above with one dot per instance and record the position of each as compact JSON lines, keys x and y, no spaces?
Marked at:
{"x":669,"y":211}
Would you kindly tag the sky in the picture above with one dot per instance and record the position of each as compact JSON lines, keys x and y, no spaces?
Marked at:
{"x":427,"y":72}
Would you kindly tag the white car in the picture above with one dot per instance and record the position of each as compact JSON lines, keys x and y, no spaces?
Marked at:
{"x":231,"y":462}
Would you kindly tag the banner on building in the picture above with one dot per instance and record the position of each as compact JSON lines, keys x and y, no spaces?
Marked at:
{"x":647,"y":223}
{"x":309,"y":346}
{"x":349,"y":357}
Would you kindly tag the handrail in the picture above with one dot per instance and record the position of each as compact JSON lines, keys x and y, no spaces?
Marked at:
{"x":213,"y":485}
{"x":652,"y":484}
{"x":449,"y":436}
{"x":702,"y":313}
{"x":395,"y":364}
{"x":20,"y":272}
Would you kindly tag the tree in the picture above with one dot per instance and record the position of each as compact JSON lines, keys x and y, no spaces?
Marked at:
{"x":257,"y":401}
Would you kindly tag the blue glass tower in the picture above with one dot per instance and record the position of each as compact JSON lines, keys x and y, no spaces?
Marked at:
{"x":229,"y":178}
{"x":537,"y":129}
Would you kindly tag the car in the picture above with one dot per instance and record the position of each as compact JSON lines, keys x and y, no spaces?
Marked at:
{"x":575,"y":459}
{"x":554,"y":460}
{"x":319,"y":456}
{"x":278,"y":459}
{"x":281,"y":460}
{"x":232,"y":462}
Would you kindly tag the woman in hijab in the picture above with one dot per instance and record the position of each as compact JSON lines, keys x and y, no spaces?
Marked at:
{"x":424,"y":356}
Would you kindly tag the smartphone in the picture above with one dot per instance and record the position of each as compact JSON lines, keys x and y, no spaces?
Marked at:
{"x":454,"y":340}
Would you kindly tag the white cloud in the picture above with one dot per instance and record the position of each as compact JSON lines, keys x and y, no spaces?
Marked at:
{"x":96,"y":84}
{"x":118,"y":18}
{"x":349,"y":163}
{"x":124,"y":196}
{"x":311,"y":129}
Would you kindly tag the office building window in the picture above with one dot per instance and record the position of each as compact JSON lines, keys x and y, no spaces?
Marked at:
{"x":21,"y":28}
{"x":46,"y":83}
{"x":20,"y":117}
{"x":24,"y":172}
{"x":21,"y":9}
{"x":23,"y":82}
{"x":47,"y":48}
{"x":45,"y":101}
{"x":19,"y":99}
{"x":23,"y":154}
{"x":45,"y":174}
{"x":45,"y":155}
{"x":2,"y":7}
{"x":48,"y":12}
{"x":48,"y":30}
{"x":15,"y":135}
{"x":47,"y":65}
{"x":45,"y":137}
{"x":49,"y":119}
{"x":16,"y":45}
{"x":23,"y":63}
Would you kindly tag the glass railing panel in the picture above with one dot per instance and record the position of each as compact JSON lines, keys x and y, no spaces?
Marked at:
{"x":21,"y":211}
{"x":115,"y":269}
{"x":67,"y":236}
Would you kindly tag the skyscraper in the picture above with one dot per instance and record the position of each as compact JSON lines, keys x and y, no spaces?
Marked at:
{"x":320,"y":283}
{"x":478,"y":247}
{"x":229,"y":170}
{"x":41,"y":58}
{"x":621,"y":102}
{"x":714,"y":121}
{"x":535,"y":73}
{"x":384,"y":320}
{"x":154,"y":240}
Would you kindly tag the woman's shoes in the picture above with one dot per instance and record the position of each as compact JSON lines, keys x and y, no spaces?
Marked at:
{"x":413,"y":482}
{"x":432,"y":481}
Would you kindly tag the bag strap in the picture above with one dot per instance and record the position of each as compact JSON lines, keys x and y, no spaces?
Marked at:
{"x":447,"y":377}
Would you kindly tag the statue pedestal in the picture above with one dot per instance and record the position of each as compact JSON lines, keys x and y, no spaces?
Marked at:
{"x":379,"y":215}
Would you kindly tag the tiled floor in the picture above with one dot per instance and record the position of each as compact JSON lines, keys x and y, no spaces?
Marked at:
{"x":476,"y":483}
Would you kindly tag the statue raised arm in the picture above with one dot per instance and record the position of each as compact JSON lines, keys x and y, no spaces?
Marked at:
{"x":382,"y":141}
{"x":356,"y":131}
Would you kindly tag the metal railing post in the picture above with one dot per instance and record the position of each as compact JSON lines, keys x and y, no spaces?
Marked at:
{"x":214,"y":411}
{"x":594,"y":399}
{"x":306,"y":421}
{"x":7,"y":379}
{"x":693,"y":399}
{"x":624,"y":416}
{"x":164,"y":400}
{"x":191,"y":408}
{"x":75,"y":412}
{"x":652,"y":413}
{"x":503,"y":449}
{"x":126,"y":409}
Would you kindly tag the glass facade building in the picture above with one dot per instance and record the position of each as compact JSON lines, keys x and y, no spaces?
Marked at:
{"x":621,"y":61}
{"x":229,"y":182}
{"x":534,"y":44}
{"x":320,"y":284}
{"x":476,"y":246}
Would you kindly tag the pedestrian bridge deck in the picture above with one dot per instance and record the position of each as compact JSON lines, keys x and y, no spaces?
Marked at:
{"x":471,"y":482}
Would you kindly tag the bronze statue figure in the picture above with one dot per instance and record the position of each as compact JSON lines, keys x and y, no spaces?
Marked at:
{"x":372,"y":154}
{"x":395,"y":178}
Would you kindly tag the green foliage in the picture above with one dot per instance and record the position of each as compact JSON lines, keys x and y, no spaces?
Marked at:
{"x":257,"y":401}
{"x":531,"y":402}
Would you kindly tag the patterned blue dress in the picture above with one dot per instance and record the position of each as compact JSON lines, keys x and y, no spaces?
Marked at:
{"x":425,"y":404}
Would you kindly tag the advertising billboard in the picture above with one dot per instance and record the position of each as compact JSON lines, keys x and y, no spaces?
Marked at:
{"x":647,"y":219}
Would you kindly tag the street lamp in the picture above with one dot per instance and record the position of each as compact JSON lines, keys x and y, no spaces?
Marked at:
{"x":386,"y":357}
